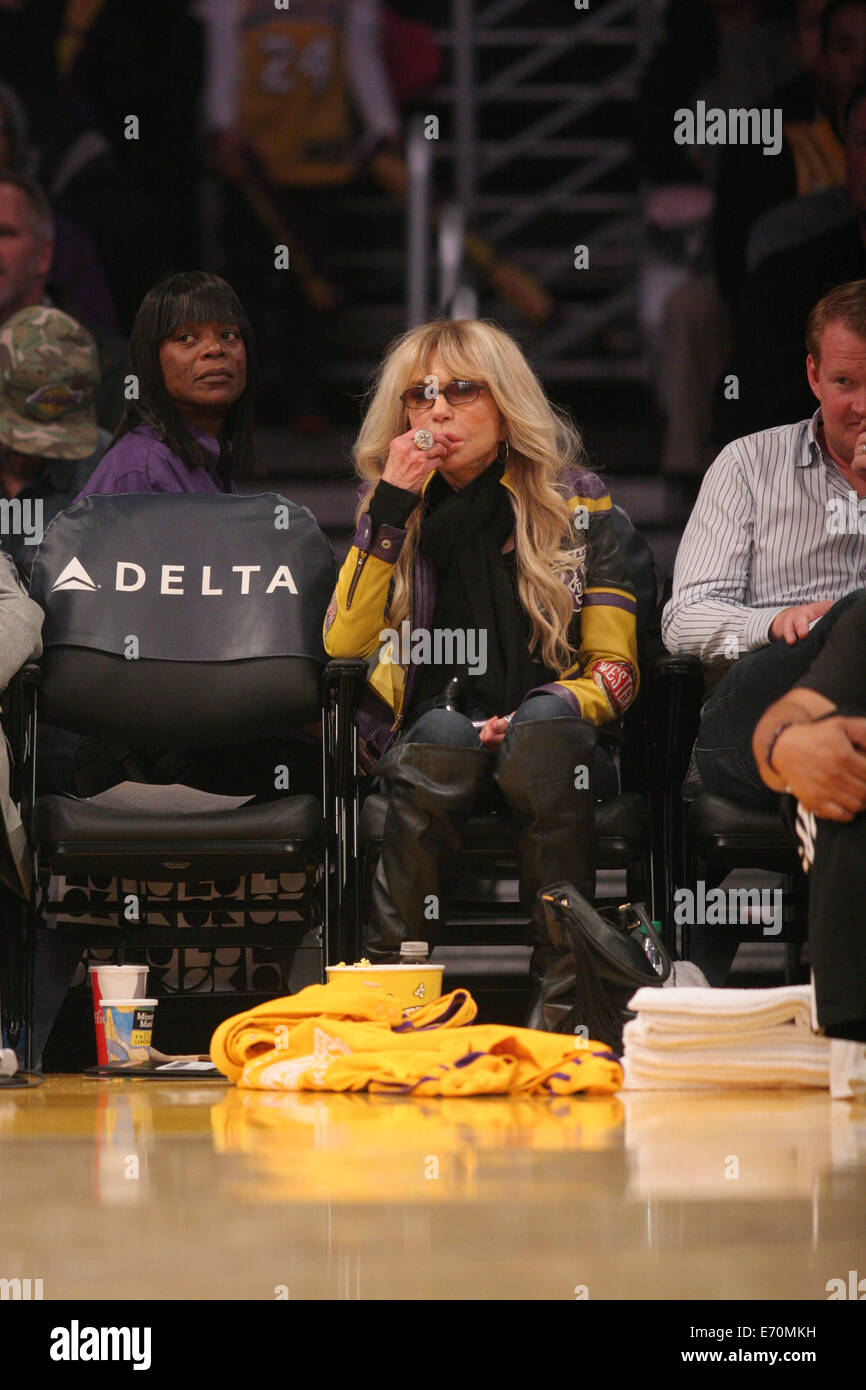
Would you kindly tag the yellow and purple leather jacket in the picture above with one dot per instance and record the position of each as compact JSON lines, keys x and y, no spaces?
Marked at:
{"x":599,"y":685}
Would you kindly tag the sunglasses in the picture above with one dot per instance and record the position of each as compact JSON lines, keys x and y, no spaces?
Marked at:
{"x":455,"y":393}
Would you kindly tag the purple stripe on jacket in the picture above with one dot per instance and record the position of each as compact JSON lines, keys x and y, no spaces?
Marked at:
{"x":597,"y":597}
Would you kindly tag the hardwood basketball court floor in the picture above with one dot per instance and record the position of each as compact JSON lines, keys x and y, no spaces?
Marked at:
{"x":131,"y":1189}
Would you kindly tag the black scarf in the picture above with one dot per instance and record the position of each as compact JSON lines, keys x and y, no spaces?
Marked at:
{"x":463,"y":533}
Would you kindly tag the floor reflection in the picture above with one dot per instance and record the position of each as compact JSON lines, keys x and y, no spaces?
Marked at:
{"x":356,"y":1147}
{"x":237,"y":1194}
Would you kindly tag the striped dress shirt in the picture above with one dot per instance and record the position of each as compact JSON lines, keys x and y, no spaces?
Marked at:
{"x":760,"y":540}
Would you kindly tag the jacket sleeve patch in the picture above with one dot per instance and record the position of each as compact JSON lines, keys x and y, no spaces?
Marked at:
{"x":331,"y":613}
{"x":617,"y":680}
{"x":573,"y":574}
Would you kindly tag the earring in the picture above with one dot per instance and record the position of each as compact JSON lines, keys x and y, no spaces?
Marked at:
{"x":500,"y":457}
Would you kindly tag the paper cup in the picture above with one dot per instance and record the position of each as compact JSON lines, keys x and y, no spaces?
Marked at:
{"x":128,"y":1028}
{"x":113,"y":982}
{"x":121,"y":981}
{"x":409,"y":985}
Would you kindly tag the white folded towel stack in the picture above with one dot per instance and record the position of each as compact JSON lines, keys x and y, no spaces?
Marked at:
{"x":706,"y":1039}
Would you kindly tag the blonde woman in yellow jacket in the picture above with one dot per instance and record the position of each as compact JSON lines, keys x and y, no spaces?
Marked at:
{"x":485,"y":587}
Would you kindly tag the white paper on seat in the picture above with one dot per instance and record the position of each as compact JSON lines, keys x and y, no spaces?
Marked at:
{"x":171,"y":799}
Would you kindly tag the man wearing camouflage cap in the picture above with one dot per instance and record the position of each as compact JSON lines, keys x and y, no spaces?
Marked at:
{"x":50,"y":442}
{"x":49,"y":446}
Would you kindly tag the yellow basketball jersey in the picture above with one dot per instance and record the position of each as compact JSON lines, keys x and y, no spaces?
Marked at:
{"x":79,"y":18}
{"x":819,"y":155}
{"x":293,"y":100}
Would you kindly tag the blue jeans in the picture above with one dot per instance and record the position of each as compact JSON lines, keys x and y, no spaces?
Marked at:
{"x":451,"y":729}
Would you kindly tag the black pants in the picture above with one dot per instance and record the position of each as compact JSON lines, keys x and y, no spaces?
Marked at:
{"x":723,"y":749}
{"x":836,"y":851}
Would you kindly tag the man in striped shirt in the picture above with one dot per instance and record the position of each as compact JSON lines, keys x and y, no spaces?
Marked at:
{"x":775,"y":550}
{"x":772,"y":555}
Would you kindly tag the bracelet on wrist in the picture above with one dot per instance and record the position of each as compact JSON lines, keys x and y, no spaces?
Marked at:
{"x":774,"y":739}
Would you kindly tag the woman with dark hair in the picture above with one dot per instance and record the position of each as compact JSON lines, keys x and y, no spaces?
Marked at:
{"x":190,"y":429}
{"x":190,"y":426}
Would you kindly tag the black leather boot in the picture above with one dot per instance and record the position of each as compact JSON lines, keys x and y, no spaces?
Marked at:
{"x":537,"y":769}
{"x":433,"y":790}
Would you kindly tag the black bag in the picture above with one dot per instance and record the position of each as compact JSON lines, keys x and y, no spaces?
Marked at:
{"x":615,"y":952}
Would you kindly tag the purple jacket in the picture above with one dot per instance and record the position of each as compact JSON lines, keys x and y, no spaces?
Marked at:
{"x":140,"y":462}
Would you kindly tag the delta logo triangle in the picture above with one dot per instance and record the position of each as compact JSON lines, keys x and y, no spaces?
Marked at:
{"x":74,"y":576}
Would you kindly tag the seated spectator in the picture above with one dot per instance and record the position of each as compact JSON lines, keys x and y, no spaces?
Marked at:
{"x":812,"y":745}
{"x":805,"y":96}
{"x":812,"y":155}
{"x":75,"y":273}
{"x":697,"y":325}
{"x":50,"y":442}
{"x":792,"y":223}
{"x":28,"y":260}
{"x":190,"y":428}
{"x":49,"y":445}
{"x":468,"y":526}
{"x":114,"y":59}
{"x":56,"y":141}
{"x":729,"y":57}
{"x":20,"y":641}
{"x":760,"y":562}
{"x":768,"y":345}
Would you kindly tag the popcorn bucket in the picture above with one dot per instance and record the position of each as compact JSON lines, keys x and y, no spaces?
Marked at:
{"x":410,"y":985}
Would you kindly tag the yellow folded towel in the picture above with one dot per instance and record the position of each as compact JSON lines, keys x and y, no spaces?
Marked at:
{"x":353,"y":1037}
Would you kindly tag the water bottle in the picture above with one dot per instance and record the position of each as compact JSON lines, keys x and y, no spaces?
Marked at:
{"x":452,"y":697}
{"x":414,"y":952}
{"x":652,"y":950}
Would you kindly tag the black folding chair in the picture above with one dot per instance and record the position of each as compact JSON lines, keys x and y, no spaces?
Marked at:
{"x":225,"y":597}
{"x":703,"y":837}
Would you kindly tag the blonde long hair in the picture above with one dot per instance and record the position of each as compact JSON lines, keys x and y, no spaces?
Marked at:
{"x":543,"y":444}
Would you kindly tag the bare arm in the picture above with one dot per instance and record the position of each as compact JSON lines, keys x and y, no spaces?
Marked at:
{"x":823,"y":764}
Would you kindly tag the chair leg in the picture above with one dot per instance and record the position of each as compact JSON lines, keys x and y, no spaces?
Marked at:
{"x":792,"y":962}
{"x":638,"y":879}
{"x":366,"y":870}
{"x":10,"y":973}
{"x":29,"y":920}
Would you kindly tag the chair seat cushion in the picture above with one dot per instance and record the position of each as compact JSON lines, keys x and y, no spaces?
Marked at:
{"x":712,"y":816}
{"x":624,"y":817}
{"x":66,"y":820}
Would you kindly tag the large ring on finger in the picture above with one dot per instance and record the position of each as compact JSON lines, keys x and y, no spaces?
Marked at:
{"x":863,"y":448}
{"x":424,"y":439}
